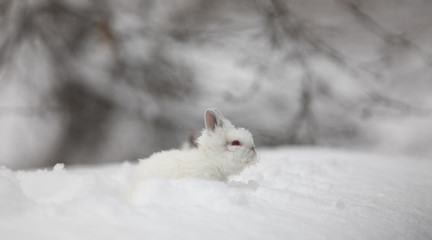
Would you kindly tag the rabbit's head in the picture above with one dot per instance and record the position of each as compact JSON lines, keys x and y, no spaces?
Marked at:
{"x":231,"y":149}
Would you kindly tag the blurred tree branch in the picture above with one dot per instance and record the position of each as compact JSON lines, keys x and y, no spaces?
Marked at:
{"x":68,"y":32}
{"x":289,"y":33}
{"x":397,"y":40}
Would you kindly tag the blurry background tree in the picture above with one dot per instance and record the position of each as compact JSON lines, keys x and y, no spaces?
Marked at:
{"x":94,"y":81}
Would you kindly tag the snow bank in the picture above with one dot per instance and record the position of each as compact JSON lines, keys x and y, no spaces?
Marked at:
{"x":291,"y":193}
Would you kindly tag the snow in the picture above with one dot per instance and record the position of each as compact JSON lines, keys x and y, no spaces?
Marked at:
{"x":298,"y":193}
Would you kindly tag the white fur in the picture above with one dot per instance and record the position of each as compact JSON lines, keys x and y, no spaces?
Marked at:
{"x":214,"y":159}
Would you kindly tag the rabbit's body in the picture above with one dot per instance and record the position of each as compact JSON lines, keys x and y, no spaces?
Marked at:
{"x":222,"y":151}
{"x":178,"y":164}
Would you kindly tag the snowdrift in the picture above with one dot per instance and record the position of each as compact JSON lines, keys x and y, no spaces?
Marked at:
{"x":289,"y":194}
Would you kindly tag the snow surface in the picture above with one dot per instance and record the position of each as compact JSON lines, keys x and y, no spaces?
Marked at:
{"x":290,"y":194}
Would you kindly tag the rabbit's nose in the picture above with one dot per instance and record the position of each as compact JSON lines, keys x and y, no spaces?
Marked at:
{"x":252,"y":148}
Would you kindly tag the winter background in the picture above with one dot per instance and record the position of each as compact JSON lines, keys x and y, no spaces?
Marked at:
{"x":337,"y":94}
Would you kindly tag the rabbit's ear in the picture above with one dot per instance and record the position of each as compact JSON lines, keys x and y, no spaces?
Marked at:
{"x":213,"y":118}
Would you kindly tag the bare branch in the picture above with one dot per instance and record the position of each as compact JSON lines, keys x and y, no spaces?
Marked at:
{"x":386,"y":35}
{"x":398,"y":105}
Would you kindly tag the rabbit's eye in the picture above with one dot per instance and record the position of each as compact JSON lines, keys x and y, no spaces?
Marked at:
{"x":236,"y":143}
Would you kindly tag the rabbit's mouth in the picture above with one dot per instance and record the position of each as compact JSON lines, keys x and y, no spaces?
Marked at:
{"x":250,"y":161}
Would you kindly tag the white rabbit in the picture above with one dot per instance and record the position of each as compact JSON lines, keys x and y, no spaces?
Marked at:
{"x":222,"y":150}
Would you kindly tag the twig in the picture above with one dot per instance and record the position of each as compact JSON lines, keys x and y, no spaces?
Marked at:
{"x":387,"y":36}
